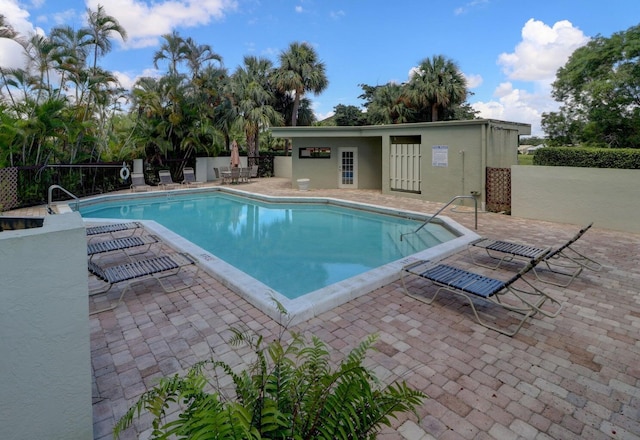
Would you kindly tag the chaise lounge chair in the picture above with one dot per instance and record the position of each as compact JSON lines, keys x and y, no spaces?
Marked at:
{"x":190,"y":178}
{"x":514,"y":295}
{"x":564,"y":260}
{"x":138,"y":183}
{"x":140,"y":244}
{"x":111,"y":228}
{"x":166,"y":181}
{"x":137,"y":271}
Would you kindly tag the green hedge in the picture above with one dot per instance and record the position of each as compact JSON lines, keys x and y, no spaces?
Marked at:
{"x":628,"y":158}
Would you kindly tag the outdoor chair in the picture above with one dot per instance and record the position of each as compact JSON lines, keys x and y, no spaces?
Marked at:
{"x":166,"y":181}
{"x":245,"y":175}
{"x":112,"y":228}
{"x":565,"y":260}
{"x":516,"y":294}
{"x":190,"y":178}
{"x":224,"y":174}
{"x":141,"y":244}
{"x":235,"y":174}
{"x":138,"y":183}
{"x":136,"y":271}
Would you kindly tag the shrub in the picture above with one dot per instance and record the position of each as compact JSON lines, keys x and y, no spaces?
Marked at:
{"x":290,"y":391}
{"x":628,"y":158}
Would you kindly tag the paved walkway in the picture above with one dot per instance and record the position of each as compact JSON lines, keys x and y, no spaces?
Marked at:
{"x":573,"y":377}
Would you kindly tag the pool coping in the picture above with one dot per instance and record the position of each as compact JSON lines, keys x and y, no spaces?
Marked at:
{"x":313,"y":303}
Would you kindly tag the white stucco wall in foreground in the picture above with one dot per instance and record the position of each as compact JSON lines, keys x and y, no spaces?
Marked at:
{"x":45,"y":371}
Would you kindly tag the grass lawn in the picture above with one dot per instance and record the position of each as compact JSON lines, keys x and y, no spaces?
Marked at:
{"x":525,"y":159}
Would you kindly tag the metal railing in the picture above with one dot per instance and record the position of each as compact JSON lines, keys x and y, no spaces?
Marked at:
{"x":475,"y":203}
{"x":50,"y":198}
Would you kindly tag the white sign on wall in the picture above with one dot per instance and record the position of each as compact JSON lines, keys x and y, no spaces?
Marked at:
{"x":440,"y":156}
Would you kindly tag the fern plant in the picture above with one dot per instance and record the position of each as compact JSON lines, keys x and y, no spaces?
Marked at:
{"x":290,"y":391}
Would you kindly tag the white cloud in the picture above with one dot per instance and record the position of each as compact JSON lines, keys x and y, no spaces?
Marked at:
{"x":11,"y":53}
{"x":64,"y":17}
{"x":517,"y":105}
{"x":542,"y":51}
{"x":323,"y":116}
{"x":145,"y":23}
{"x":299,"y":9}
{"x":127,"y":81}
{"x":335,"y":15}
{"x":534,"y":62}
{"x":473,"y":81}
{"x":16,"y":16}
{"x":468,"y":6}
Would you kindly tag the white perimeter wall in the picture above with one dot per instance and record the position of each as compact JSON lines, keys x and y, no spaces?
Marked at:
{"x":45,"y":370}
{"x":282,"y":167}
{"x":205,"y":166}
{"x":608,"y":197}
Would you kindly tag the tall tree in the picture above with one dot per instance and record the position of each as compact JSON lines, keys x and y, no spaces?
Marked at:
{"x":599,"y":88}
{"x":253,"y":99}
{"x":174,"y":50}
{"x":387,"y":104}
{"x":300,"y":71}
{"x":437,"y":86}
{"x":198,"y":55}
{"x":72,"y":50}
{"x":101,"y":27}
{"x":348,"y":115}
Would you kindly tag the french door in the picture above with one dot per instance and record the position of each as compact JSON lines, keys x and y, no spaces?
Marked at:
{"x":348,"y":167}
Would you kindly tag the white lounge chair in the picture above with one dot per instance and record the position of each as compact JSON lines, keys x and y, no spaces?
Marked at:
{"x":138,"y":183}
{"x":166,"y":180}
{"x":190,"y":178}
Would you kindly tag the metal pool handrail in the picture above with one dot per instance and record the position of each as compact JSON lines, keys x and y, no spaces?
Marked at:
{"x":475,"y":203}
{"x":50,"y":198}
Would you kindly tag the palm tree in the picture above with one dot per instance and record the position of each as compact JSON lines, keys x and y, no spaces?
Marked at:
{"x":196,"y":55}
{"x":72,"y":50}
{"x":437,"y":86}
{"x":212,"y":85}
{"x":174,"y":50}
{"x":253,"y":99}
{"x":300,"y":72}
{"x":388,"y":105}
{"x":101,"y":27}
{"x":41,"y":52}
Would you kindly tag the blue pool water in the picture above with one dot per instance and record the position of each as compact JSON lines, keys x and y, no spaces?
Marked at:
{"x":294,"y":248}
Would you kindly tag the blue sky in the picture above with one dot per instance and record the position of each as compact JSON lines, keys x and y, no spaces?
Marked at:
{"x":509,"y":50}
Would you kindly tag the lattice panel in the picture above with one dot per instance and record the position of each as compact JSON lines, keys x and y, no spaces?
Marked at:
{"x":8,"y":188}
{"x":498,"y":189}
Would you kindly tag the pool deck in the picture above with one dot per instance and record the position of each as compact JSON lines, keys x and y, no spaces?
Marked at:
{"x":573,"y":377}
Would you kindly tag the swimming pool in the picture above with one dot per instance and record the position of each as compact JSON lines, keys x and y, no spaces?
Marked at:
{"x":310,"y":254}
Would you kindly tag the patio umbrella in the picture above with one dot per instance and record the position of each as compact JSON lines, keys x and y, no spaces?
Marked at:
{"x":235,"y":155}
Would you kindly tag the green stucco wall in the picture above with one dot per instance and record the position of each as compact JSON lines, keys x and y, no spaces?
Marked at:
{"x":323,"y":173}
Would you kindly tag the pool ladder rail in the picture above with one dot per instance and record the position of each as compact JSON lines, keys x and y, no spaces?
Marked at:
{"x":50,"y":198}
{"x":430,"y":219}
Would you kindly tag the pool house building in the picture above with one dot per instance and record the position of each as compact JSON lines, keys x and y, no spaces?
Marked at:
{"x":433,"y":161}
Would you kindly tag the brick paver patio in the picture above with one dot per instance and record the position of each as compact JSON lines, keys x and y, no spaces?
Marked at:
{"x":573,"y":377}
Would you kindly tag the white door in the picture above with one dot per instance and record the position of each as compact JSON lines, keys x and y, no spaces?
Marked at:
{"x":348,"y":167}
